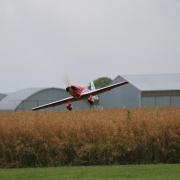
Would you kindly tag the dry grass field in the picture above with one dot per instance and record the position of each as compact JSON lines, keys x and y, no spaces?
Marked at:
{"x":31,"y":139}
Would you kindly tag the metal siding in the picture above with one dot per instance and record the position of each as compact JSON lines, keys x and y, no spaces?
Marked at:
{"x":175,"y":100}
{"x":13,"y":100}
{"x":160,"y":93}
{"x":123,"y":97}
{"x":148,"y":102}
{"x":129,"y":96}
{"x":163,"y":101}
{"x":160,"y":101}
{"x":154,"y":82}
{"x":2,"y":96}
{"x":48,"y":96}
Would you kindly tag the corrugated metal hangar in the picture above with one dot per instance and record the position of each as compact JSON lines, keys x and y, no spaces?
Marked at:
{"x":26,"y":99}
{"x":2,"y":96}
{"x":144,"y":91}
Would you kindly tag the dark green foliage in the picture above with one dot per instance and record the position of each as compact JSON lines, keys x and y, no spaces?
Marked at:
{"x":102,"y":82}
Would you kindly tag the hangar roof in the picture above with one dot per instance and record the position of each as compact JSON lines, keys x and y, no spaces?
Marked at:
{"x":154,"y":82}
{"x":2,"y":96}
{"x":12,"y":100}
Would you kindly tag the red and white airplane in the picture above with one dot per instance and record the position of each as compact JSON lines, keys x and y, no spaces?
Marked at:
{"x":78,"y":93}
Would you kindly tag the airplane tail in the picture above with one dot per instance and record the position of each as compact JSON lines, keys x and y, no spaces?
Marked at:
{"x":92,"y":87}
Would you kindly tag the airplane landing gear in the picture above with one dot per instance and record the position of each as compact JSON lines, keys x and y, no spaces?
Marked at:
{"x":90,"y":100}
{"x":69,"y":106}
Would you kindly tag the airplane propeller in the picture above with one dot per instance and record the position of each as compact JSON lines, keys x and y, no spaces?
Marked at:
{"x":67,"y":81}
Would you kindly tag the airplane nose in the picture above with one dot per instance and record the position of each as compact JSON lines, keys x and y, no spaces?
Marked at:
{"x":67,"y":89}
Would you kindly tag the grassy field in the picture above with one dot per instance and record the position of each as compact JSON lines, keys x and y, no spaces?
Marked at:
{"x":135,"y":172}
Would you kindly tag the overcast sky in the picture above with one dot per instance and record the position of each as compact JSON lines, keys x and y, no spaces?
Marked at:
{"x":44,"y":41}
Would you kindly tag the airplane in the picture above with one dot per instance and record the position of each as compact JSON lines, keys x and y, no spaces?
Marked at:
{"x":79,"y":93}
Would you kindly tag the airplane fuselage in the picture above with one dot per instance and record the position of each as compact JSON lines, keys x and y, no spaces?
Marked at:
{"x":75,"y":91}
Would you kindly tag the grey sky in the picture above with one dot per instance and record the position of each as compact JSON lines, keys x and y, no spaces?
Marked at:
{"x":43,"y":41}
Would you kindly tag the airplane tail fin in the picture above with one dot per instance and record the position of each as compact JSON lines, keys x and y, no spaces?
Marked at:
{"x":92,"y":86}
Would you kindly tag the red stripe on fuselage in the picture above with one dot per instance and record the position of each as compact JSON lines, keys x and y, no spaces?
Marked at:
{"x":76,"y":91}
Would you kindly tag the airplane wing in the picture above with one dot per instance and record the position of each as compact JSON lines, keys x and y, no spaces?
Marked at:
{"x":83,"y":96}
{"x":55,"y":103}
{"x":104,"y":89}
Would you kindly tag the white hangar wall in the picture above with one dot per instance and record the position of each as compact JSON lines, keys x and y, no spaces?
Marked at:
{"x":160,"y":98}
{"x":121,"y":97}
{"x":47,"y":96}
{"x":26,"y":99}
{"x":2,"y":96}
{"x":160,"y":90}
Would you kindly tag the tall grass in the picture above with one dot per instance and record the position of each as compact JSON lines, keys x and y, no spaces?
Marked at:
{"x":31,"y":139}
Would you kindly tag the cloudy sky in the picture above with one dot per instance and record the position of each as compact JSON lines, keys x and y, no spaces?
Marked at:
{"x":44,"y":41}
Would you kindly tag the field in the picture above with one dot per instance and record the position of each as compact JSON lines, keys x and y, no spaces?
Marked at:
{"x":97,"y":137}
{"x":135,"y":172}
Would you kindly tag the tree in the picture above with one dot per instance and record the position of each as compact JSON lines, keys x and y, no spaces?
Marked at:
{"x":102,"y":82}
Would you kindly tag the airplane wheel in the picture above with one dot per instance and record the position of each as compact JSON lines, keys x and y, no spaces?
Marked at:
{"x":69,"y":108}
{"x":91,"y":103}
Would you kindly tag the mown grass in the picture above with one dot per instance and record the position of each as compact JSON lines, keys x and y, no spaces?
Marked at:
{"x":127,"y":172}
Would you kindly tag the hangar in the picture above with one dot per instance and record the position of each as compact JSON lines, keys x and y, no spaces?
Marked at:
{"x":158,"y":90}
{"x":2,"y":96}
{"x":26,"y":99}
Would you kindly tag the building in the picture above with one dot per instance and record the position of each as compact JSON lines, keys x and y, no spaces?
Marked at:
{"x":2,"y":96}
{"x":26,"y":99}
{"x":144,"y":91}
